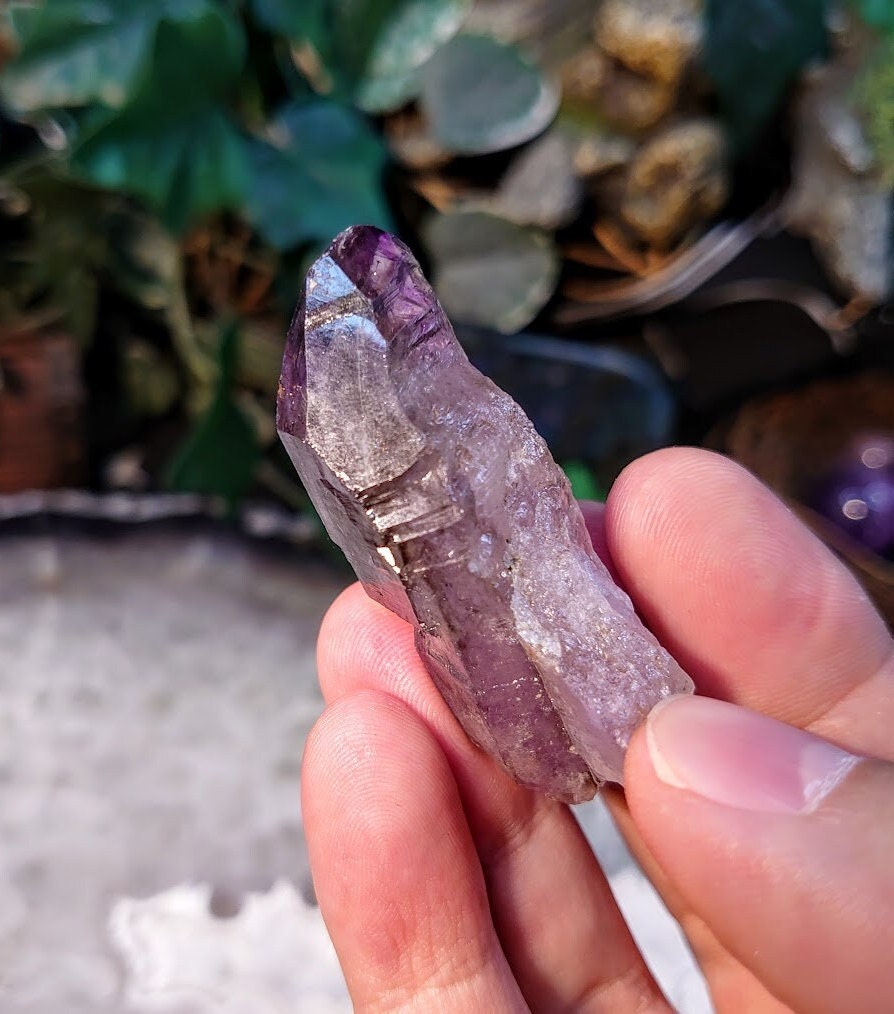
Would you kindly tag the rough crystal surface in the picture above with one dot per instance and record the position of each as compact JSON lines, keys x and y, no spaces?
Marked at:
{"x":454,"y":515}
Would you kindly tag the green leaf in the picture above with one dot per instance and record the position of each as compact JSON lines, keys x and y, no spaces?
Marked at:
{"x":220,"y":455}
{"x":409,"y":33}
{"x":305,"y":20}
{"x":488,"y":271}
{"x":370,"y":48}
{"x":584,"y":485}
{"x":76,"y":52}
{"x":874,"y":96}
{"x":67,"y":250}
{"x":150,"y":380}
{"x":323,"y":175}
{"x":878,"y":13}
{"x":752,"y":52}
{"x":149,"y":77}
{"x":185,"y":170}
{"x":68,"y":58}
{"x":172,"y":144}
{"x":147,"y":259}
{"x":481,"y":96}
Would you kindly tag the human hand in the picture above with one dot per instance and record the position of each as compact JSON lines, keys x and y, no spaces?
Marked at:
{"x":447,"y":887}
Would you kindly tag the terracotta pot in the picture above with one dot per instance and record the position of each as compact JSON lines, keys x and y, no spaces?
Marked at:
{"x":41,"y":410}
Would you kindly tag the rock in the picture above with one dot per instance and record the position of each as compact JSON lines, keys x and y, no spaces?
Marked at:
{"x":839,"y":196}
{"x":627,"y":101}
{"x":599,"y":154}
{"x":676,"y":180}
{"x":541,"y":186}
{"x":654,"y":40}
{"x":632,"y":71}
{"x":455,"y":516}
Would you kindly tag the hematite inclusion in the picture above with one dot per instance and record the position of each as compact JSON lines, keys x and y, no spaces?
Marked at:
{"x":454,"y":515}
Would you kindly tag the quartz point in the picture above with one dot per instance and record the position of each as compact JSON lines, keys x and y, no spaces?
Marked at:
{"x":454,"y":515}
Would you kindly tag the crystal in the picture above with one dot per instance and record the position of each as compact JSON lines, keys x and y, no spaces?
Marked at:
{"x":454,"y":515}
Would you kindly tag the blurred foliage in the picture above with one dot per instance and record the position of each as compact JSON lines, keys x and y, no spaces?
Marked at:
{"x":753,"y":51}
{"x":76,"y":238}
{"x":584,"y":484}
{"x":168,"y":169}
{"x":222,"y":452}
{"x":874,"y":93}
{"x":321,"y":174}
{"x":157,"y":119}
{"x":877,"y":13}
{"x":364,"y":51}
{"x":148,"y":94}
{"x":78,"y":52}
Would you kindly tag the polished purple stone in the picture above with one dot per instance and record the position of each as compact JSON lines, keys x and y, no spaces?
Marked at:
{"x":455,"y":516}
{"x":857,"y":494}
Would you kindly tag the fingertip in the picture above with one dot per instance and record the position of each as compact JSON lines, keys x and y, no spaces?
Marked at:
{"x":649,"y":504}
{"x":349,"y":616}
{"x":748,"y":600}
{"x":362,"y":644}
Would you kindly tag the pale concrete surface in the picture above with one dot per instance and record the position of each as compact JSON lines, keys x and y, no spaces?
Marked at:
{"x":155,"y":692}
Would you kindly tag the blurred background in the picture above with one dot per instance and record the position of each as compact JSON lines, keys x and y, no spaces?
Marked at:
{"x":651,"y":222}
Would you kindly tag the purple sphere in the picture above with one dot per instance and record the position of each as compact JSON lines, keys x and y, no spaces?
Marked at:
{"x":857,"y":495}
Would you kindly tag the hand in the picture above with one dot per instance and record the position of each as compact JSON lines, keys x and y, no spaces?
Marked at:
{"x":763,"y":811}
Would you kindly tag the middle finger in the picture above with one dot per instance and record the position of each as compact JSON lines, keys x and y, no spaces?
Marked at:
{"x":560,"y":927}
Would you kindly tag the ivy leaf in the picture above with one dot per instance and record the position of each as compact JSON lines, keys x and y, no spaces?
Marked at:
{"x":220,"y":455}
{"x":76,"y":52}
{"x":322,"y":175}
{"x":753,"y":50}
{"x":370,"y":48}
{"x":195,"y":166}
{"x":172,"y":144}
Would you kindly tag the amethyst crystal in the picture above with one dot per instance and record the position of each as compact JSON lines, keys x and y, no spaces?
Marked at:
{"x":455,"y":516}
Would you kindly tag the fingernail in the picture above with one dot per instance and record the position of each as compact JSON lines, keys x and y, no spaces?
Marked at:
{"x":742,"y":759}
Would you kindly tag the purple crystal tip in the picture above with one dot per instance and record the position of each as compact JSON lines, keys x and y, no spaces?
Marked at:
{"x":363,"y":250}
{"x":455,"y":516}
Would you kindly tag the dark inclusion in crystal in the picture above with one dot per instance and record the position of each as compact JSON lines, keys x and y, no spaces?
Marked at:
{"x":455,"y":516}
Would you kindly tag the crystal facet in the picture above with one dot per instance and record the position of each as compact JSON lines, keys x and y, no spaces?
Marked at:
{"x":455,"y":516}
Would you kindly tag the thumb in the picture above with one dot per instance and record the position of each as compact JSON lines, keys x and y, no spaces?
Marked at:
{"x":781,"y":842}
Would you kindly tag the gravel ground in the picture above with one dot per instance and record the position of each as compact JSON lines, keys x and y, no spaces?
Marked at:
{"x":155,"y":691}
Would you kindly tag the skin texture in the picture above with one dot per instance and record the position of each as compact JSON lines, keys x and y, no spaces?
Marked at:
{"x":766,"y":823}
